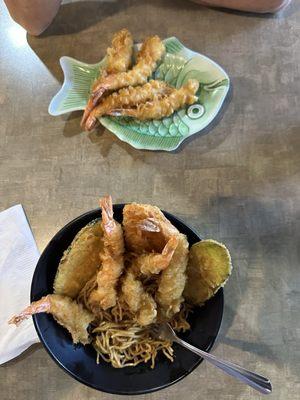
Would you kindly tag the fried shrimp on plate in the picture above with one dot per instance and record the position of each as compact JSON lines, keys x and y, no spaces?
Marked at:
{"x":119,"y":55}
{"x":65,"y":311}
{"x":128,"y":97}
{"x":162,"y":107}
{"x":104,"y":295}
{"x":118,"y":59}
{"x":150,"y":53}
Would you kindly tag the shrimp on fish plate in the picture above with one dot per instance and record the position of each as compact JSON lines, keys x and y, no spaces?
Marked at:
{"x":104,"y":296}
{"x":66,"y":312}
{"x":150,"y":53}
{"x":162,"y":107}
{"x":118,"y":59}
{"x":131,"y":96}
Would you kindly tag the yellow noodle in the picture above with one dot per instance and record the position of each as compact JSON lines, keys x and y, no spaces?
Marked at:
{"x":119,"y":340}
{"x":122,"y":342}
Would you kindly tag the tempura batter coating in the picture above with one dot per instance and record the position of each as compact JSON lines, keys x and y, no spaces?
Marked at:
{"x":118,"y":59}
{"x":151,"y":52}
{"x":80,"y":261}
{"x":125,"y":97}
{"x":146,"y":228}
{"x":105,"y":295}
{"x":140,"y":303}
{"x":163,"y":107}
{"x":65,"y":311}
{"x":208,"y":269}
{"x":153,"y":263}
{"x":119,"y":55}
{"x":173,"y":279}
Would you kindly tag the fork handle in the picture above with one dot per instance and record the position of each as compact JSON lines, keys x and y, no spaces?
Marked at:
{"x":258,"y":382}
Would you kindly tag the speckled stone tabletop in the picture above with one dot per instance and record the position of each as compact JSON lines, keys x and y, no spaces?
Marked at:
{"x":237,"y":182}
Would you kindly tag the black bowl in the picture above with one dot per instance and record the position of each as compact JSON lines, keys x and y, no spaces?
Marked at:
{"x":80,"y":361}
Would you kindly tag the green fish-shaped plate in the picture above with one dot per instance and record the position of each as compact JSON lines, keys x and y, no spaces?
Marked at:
{"x":178,"y":65}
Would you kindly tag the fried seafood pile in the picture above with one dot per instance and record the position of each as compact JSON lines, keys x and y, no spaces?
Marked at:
{"x":140,"y":272}
{"x":123,"y":90}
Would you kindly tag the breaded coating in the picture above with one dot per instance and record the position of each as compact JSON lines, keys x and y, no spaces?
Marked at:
{"x":173,"y":279}
{"x":140,"y":303}
{"x":65,"y":311}
{"x":208,"y":269}
{"x":131,"y":96}
{"x":119,"y":55}
{"x":105,"y":295}
{"x":164,"y":107}
{"x":80,"y":261}
{"x":146,"y":228}
{"x":153,"y":263}
{"x":151,"y":52}
{"x":118,"y":59}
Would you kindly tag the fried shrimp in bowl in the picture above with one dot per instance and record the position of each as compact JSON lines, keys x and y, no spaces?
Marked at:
{"x":65,"y":311}
{"x":145,"y":274}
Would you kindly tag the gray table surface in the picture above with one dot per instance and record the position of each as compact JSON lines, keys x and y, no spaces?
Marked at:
{"x":238,"y":182}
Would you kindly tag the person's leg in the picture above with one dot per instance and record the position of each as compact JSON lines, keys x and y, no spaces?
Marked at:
{"x":260,"y":6}
{"x":34,"y":15}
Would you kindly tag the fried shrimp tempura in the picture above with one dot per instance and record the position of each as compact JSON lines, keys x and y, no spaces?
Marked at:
{"x":118,"y":59}
{"x":146,"y":228}
{"x":139,"y":302}
{"x":173,"y":279}
{"x":105,"y":295}
{"x":153,"y":263}
{"x":65,"y":311}
{"x":150,"y":53}
{"x":80,"y":261}
{"x":163,"y":107}
{"x":119,"y":55}
{"x":131,"y":96}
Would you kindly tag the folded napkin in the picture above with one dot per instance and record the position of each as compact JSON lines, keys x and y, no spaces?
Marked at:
{"x":18,"y":258}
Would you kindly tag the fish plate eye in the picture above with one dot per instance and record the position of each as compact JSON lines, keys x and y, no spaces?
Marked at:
{"x":195,"y":111}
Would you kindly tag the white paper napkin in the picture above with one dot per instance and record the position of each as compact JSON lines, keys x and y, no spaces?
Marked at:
{"x":18,"y":258}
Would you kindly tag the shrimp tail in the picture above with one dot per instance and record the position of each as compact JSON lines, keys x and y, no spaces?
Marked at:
{"x":170,"y":248}
{"x":97,"y":94}
{"x":40,"y":306}
{"x":90,"y":123}
{"x":105,"y":83}
{"x":107,"y":213}
{"x":88,"y":109}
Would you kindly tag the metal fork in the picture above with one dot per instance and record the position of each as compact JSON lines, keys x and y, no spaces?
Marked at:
{"x":258,"y":382}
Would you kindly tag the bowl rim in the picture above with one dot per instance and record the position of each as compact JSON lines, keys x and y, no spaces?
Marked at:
{"x":74,"y":375}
